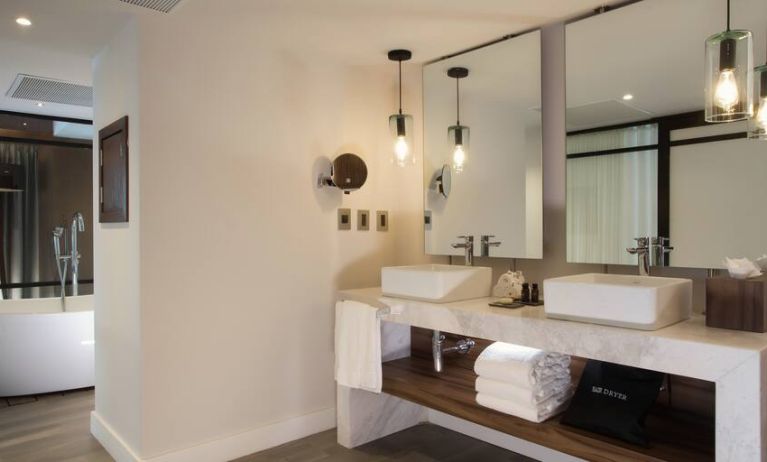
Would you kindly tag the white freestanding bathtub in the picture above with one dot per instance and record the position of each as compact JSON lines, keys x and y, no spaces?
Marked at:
{"x":44,"y":347}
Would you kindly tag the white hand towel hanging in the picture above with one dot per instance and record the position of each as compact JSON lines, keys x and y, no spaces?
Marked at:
{"x":358,"y":346}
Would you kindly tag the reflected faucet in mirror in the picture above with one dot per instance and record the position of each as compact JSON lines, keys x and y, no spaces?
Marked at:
{"x":661,"y":248}
{"x":486,"y":243}
{"x":468,"y":246}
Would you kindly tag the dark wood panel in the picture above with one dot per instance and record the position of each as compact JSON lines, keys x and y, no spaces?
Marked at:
{"x":681,"y":424}
{"x":675,"y":436}
{"x":737,"y":304}
{"x":682,"y":393}
{"x":113,"y":172}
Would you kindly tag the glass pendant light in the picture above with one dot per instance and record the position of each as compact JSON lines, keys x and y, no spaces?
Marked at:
{"x":401,"y":125}
{"x":458,"y":135}
{"x":757,"y":126}
{"x":729,"y":75}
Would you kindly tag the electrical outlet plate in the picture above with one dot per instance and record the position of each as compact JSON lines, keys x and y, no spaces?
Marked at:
{"x":344,"y":219}
{"x":363,"y":220}
{"x":382,"y":220}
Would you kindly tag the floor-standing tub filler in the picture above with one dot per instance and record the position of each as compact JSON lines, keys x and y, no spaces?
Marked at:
{"x":44,"y":348}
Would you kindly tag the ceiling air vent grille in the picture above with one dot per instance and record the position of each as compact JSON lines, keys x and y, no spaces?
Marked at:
{"x":158,"y":5}
{"x":50,"y":91}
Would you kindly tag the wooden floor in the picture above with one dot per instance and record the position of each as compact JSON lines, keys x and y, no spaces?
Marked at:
{"x":55,"y":428}
{"x":48,"y":428}
{"x":423,"y":443}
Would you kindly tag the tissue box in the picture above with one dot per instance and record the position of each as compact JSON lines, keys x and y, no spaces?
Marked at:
{"x":739,"y":304}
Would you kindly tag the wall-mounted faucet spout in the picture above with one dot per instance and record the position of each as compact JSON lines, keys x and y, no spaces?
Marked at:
{"x":462,"y":347}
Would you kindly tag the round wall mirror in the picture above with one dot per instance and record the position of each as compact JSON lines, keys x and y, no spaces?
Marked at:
{"x":444,"y":181}
{"x":348,"y":173}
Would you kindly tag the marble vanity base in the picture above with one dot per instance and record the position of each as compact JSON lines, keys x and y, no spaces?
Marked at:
{"x":735,"y":361}
{"x":364,"y":416}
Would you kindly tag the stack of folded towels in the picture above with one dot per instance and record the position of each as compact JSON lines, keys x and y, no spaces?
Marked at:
{"x":528,"y":383}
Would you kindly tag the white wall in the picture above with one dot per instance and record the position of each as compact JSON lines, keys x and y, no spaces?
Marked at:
{"x":239,"y":253}
{"x":116,"y":250}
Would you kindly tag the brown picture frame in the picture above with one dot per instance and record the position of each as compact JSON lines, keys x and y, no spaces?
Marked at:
{"x":113,"y":172}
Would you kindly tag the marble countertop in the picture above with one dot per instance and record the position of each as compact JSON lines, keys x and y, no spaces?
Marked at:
{"x":688,"y":348}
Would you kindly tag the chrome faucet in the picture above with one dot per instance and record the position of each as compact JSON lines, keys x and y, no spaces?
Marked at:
{"x":62,"y":261}
{"x":642,"y":251}
{"x":468,"y":246}
{"x":485,"y":244}
{"x":462,"y":347}
{"x":78,"y":225}
{"x":661,"y":248}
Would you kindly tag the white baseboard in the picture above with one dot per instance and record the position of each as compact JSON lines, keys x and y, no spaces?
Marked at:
{"x":223,"y":449}
{"x":115,"y":446}
{"x":499,"y":439}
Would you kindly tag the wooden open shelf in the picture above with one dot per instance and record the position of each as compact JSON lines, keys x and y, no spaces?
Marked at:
{"x":675,"y":435}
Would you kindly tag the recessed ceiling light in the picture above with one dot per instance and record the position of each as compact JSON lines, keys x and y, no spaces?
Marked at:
{"x":22,"y":21}
{"x":628,"y":97}
{"x":40,"y":104}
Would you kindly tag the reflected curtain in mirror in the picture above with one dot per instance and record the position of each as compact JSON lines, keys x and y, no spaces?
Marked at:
{"x":19,"y":218}
{"x":612,"y":192}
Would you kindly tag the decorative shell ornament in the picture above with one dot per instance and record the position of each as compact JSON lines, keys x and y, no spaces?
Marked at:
{"x":509,"y":285}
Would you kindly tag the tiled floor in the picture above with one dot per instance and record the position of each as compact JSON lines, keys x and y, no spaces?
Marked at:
{"x":55,"y":428}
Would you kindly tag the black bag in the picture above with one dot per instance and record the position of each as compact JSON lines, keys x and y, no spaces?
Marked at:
{"x":614,"y":400}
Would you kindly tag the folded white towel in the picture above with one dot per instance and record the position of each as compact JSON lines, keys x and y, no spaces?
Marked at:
{"x":524,"y":395}
{"x":521,"y":365}
{"x":537,"y":414}
{"x":358,"y":346}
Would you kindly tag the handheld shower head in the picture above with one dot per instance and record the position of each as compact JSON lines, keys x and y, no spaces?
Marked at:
{"x":58,"y":233}
{"x":77,"y":219}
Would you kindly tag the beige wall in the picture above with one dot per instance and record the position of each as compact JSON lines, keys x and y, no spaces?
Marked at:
{"x":116,"y":251}
{"x":230,"y":316}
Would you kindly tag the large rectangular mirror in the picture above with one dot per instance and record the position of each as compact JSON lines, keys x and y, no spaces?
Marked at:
{"x":641,"y":160}
{"x":498,"y":190}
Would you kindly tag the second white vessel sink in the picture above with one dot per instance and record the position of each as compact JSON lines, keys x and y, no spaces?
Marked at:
{"x":436,"y":283}
{"x":637,"y":302}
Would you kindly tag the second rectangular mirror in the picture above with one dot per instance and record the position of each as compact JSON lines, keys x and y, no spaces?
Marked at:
{"x":641,"y":160}
{"x":482,"y":176}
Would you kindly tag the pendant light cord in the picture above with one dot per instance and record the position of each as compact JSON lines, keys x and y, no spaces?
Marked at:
{"x":457,"y":103}
{"x":400,"y":85}
{"x":728,"y":15}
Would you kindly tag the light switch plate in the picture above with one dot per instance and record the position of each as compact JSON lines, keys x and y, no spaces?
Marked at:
{"x":344,"y":219}
{"x":363,"y":220}
{"x":382,"y":220}
{"x":427,"y":220}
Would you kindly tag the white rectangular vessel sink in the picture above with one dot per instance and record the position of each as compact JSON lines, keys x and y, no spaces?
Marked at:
{"x":637,"y":302}
{"x":436,"y":283}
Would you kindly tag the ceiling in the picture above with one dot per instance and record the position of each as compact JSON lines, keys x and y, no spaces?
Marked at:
{"x":65,"y":35}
